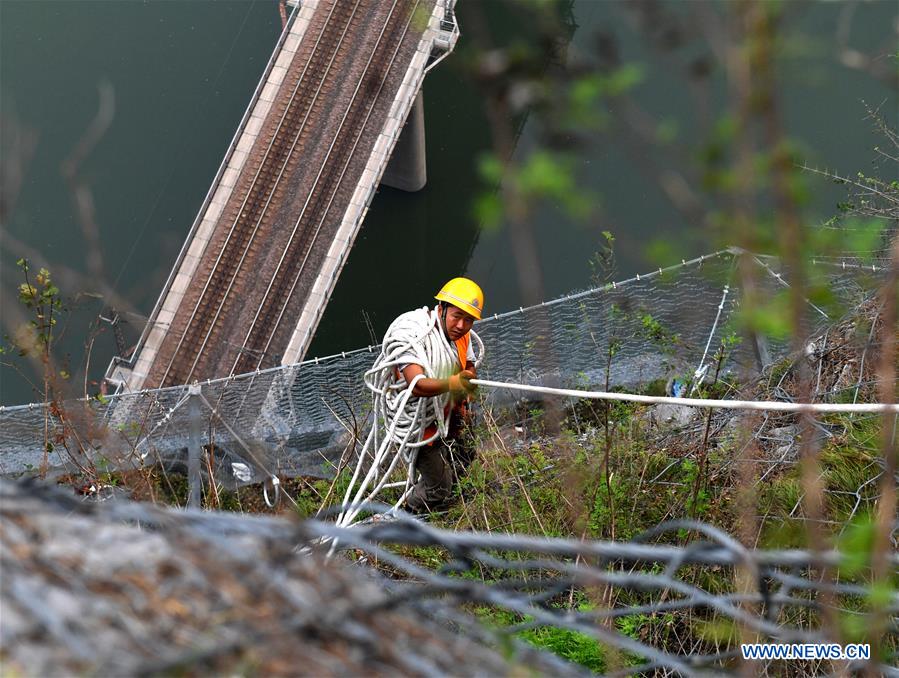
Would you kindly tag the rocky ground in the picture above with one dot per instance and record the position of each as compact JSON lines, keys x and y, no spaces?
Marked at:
{"x":121,"y":588}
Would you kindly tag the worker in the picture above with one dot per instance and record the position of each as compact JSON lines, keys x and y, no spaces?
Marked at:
{"x":460,"y":304}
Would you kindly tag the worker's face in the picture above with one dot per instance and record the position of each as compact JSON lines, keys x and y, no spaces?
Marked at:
{"x":458,"y":323}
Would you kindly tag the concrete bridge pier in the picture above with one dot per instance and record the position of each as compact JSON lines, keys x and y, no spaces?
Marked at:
{"x":407,"y":168}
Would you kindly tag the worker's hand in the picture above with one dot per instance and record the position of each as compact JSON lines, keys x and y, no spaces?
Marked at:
{"x":465,"y":377}
{"x":461,"y":383}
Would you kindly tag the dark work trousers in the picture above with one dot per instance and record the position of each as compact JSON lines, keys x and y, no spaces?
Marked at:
{"x":439,"y":466}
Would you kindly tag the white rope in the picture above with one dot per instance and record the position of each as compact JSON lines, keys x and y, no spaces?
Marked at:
{"x":763,"y":405}
{"x":401,"y":419}
{"x":699,"y":374}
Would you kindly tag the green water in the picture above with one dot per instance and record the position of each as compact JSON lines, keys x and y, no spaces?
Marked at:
{"x":182,"y":74}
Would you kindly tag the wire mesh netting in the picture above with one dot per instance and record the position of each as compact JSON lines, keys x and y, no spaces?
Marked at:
{"x":655,"y":608}
{"x":298,"y":419}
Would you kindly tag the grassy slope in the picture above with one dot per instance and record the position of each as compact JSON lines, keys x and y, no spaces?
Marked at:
{"x":610,"y":474}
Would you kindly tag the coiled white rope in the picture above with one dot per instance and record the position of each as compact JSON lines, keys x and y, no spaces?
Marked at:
{"x":399,"y":418}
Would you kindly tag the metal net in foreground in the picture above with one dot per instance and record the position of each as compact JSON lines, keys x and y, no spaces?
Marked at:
{"x":682,"y":608}
{"x":235,"y":595}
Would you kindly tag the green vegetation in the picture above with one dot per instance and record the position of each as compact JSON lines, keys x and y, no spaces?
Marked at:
{"x":571,"y":645}
{"x":607,"y":471}
{"x":589,"y":484}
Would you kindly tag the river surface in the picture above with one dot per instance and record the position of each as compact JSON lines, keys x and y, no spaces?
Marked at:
{"x":182,"y":73}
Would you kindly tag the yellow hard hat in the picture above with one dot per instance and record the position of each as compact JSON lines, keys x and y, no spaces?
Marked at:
{"x":465,"y":294}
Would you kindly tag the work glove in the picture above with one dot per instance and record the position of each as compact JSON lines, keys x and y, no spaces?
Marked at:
{"x":462,"y":382}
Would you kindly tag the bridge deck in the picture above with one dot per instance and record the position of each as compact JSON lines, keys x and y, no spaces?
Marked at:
{"x":261,"y":261}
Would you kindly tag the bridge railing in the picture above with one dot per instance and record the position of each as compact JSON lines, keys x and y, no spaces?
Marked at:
{"x":118,"y":361}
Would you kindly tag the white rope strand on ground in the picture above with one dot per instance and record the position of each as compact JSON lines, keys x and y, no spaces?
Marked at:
{"x":700,"y":372}
{"x":763,"y":405}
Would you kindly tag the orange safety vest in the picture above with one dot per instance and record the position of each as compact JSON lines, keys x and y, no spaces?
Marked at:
{"x":462,"y":349}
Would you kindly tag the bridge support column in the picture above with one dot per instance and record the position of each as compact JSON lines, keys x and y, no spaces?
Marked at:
{"x":407,"y":169}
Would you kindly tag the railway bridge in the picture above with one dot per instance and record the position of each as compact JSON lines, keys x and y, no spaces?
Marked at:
{"x":260,"y":262}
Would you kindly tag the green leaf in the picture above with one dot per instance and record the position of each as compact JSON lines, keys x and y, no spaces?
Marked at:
{"x":664,"y":251}
{"x":856,"y":545}
{"x":623,"y":79}
{"x":881,"y":594}
{"x":490,"y":168}
{"x":772,"y":318}
{"x":667,"y":131}
{"x":488,"y":210}
{"x":545,"y":175}
{"x":27,"y":291}
{"x":585,"y":91}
